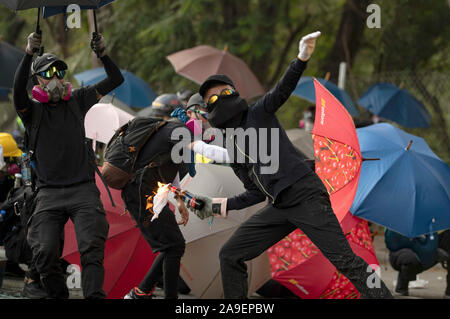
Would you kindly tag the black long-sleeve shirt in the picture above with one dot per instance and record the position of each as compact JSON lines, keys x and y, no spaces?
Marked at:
{"x":291,"y":166}
{"x":60,"y":153}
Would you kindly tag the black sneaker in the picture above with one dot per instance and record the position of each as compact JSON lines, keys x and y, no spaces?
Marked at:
{"x":34,"y":290}
{"x":135,"y":294}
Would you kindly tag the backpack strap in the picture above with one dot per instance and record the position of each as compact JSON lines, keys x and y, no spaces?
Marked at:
{"x":150,"y":134}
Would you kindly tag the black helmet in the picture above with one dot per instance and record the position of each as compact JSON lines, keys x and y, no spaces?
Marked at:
{"x":165,"y":104}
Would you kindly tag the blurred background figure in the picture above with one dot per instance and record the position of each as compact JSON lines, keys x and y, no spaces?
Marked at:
{"x":184,"y":96}
{"x":411,"y":256}
{"x":9,"y":167}
{"x":162,"y":106}
{"x":307,"y":123}
{"x":9,"y":162}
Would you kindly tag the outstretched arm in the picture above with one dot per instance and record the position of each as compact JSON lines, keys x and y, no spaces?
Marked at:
{"x":213,"y":152}
{"x":252,"y":194}
{"x":221,"y":206}
{"x":276,"y":97}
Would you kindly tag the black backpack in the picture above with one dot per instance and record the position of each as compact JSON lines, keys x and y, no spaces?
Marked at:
{"x":124,"y":147}
{"x":19,"y":207}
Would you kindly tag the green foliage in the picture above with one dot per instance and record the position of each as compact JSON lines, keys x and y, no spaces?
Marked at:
{"x":140,"y":34}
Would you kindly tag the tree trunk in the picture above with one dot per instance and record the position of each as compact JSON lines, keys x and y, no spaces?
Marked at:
{"x":12,"y":33}
{"x":293,"y":38}
{"x":260,"y":65}
{"x":348,"y":38}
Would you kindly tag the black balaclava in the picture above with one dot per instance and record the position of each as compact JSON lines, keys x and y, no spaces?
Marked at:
{"x":227,"y":111}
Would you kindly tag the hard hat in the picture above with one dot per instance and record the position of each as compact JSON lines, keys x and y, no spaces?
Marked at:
{"x":10,"y":148}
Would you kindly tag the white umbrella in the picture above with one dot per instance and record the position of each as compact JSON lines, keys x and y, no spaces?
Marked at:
{"x":102,"y":120}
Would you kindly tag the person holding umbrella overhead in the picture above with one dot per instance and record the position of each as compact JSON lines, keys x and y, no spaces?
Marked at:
{"x":65,"y":181}
{"x":297,"y":197}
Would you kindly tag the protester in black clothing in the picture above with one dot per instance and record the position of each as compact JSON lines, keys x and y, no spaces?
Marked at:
{"x":297,"y":197}
{"x":163,"y":233}
{"x":412,"y":256}
{"x":65,"y":179}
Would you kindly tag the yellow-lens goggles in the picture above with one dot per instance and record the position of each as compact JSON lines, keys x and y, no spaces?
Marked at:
{"x":213,"y":98}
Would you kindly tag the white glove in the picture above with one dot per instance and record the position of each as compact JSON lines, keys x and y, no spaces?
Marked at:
{"x":34,"y":41}
{"x":307,"y":45}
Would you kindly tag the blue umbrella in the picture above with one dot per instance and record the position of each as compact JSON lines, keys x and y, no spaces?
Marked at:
{"x":390,"y":102}
{"x":408,"y":189}
{"x":10,"y":58}
{"x":305,"y":90}
{"x":133,"y":92}
{"x":51,"y":11}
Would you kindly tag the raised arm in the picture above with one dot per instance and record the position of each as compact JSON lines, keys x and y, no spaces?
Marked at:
{"x":22,"y":101}
{"x":90,"y":95}
{"x":113,"y":80}
{"x":276,"y":97}
{"x":114,"y":76}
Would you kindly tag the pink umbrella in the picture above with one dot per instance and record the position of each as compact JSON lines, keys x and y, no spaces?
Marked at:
{"x":103,"y":120}
{"x":202,"y":61}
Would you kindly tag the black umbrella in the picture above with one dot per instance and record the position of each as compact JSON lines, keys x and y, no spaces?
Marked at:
{"x":29,"y":4}
{"x":54,"y":10}
{"x":10,"y":58}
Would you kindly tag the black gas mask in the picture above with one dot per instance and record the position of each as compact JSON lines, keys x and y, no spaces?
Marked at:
{"x":226,"y":110}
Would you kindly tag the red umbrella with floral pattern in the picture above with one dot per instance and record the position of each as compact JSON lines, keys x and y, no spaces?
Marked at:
{"x":336,"y":150}
{"x":299,"y":265}
{"x":296,"y":261}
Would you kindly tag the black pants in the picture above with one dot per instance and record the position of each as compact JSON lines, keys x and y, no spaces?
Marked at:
{"x":408,"y":265}
{"x":164,"y":236}
{"x":304,"y":205}
{"x":54,"y":206}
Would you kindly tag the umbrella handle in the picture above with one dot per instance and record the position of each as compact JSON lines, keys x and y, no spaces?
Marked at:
{"x":95,"y":33}
{"x":39,"y":31}
{"x":94,"y":37}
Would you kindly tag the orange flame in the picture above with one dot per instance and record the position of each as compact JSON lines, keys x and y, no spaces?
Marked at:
{"x":149,"y":206}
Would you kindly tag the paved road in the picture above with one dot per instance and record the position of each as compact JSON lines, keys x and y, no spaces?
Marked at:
{"x":434,"y":279}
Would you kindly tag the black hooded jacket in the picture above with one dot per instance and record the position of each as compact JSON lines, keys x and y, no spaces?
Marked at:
{"x":292,"y":167}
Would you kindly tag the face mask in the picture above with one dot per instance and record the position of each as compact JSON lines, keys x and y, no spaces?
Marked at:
{"x":228,"y":112}
{"x":52,"y":92}
{"x":195,"y":126}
